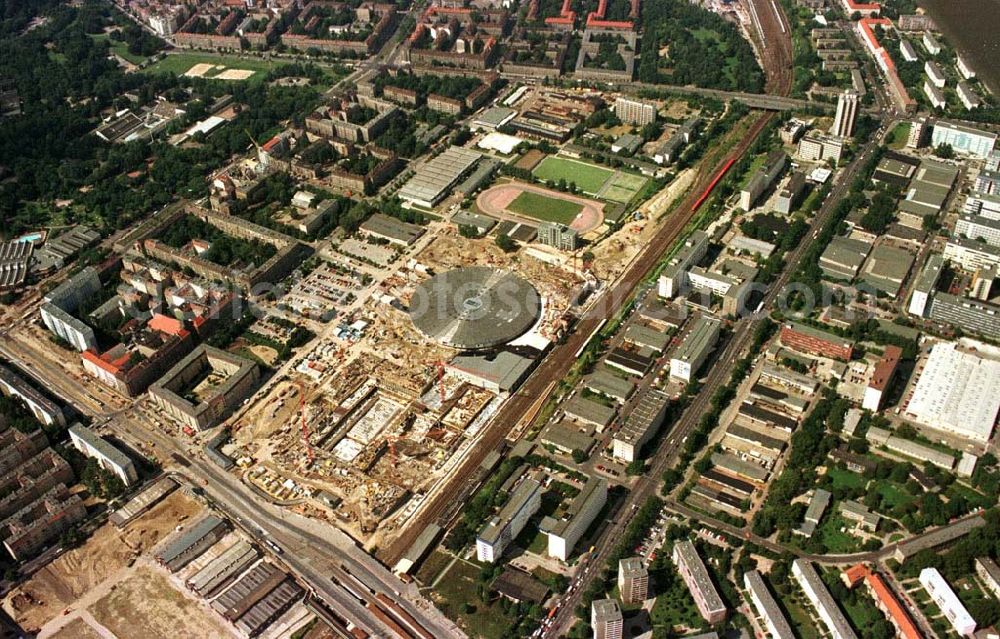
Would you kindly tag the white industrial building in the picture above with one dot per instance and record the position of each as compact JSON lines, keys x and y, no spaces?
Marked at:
{"x":963,"y":139}
{"x":674,"y":278}
{"x":957,"y":393}
{"x":976,"y":227}
{"x":970,"y":254}
{"x":693,"y":351}
{"x":742,"y":243}
{"x":947,"y":601}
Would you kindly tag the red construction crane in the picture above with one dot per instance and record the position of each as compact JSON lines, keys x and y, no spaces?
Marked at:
{"x":440,"y":369}
{"x":305,"y":429}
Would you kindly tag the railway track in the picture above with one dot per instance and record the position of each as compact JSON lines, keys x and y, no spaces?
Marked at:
{"x":557,"y":363}
{"x":440,"y":506}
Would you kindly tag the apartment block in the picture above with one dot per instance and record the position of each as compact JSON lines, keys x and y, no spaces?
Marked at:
{"x":989,"y":573}
{"x":44,"y":410}
{"x":699,"y":583}
{"x":564,"y":533}
{"x":508,"y":523}
{"x":633,"y":580}
{"x":110,"y":458}
{"x":40,"y":523}
{"x":632,"y":111}
{"x":205,"y":386}
{"x":606,"y":619}
{"x":767,"y":608}
{"x":947,"y":602}
{"x":821,"y":600}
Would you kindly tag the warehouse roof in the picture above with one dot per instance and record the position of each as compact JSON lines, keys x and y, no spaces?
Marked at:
{"x":566,"y":437}
{"x":645,"y":415}
{"x":699,"y":341}
{"x":645,"y":336}
{"x":610,"y":385}
{"x":191,"y":536}
{"x":433,"y":179}
{"x":759,"y":439}
{"x":887,"y":267}
{"x":844,"y":255}
{"x":956,"y":390}
{"x":505,"y":369}
{"x":588,"y":410}
{"x":520,"y":586}
{"x":629,"y":361}
{"x":735,"y":465}
{"x":392,"y":229}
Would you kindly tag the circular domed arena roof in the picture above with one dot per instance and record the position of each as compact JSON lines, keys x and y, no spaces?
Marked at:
{"x":475,"y":307}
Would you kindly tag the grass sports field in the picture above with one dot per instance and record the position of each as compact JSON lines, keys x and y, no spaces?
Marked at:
{"x":623,"y":187}
{"x":181,"y":63}
{"x":546,"y":209}
{"x":589,"y":178}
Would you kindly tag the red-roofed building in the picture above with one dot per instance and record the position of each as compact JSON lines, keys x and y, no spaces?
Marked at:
{"x":165,"y":324}
{"x":885,"y":370}
{"x":807,"y":339}
{"x":566,"y":16}
{"x":595,"y":19}
{"x":129,"y":370}
{"x":866,"y":28}
{"x":885,"y":600}
{"x":867,"y":10}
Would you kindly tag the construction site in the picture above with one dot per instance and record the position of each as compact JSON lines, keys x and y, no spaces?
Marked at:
{"x":378,"y":413}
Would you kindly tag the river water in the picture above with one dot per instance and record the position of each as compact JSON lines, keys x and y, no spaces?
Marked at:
{"x":973,"y":27}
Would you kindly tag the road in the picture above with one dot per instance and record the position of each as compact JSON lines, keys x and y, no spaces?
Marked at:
{"x":557,"y":364}
{"x":313,"y":550}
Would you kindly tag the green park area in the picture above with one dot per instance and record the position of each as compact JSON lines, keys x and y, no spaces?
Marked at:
{"x":589,"y":178}
{"x":544,"y":208}
{"x":119,"y":48}
{"x":898,"y":136}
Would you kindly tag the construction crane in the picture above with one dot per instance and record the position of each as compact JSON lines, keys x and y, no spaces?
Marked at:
{"x":305,"y":429}
{"x":391,"y":443}
{"x":439,"y":365}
